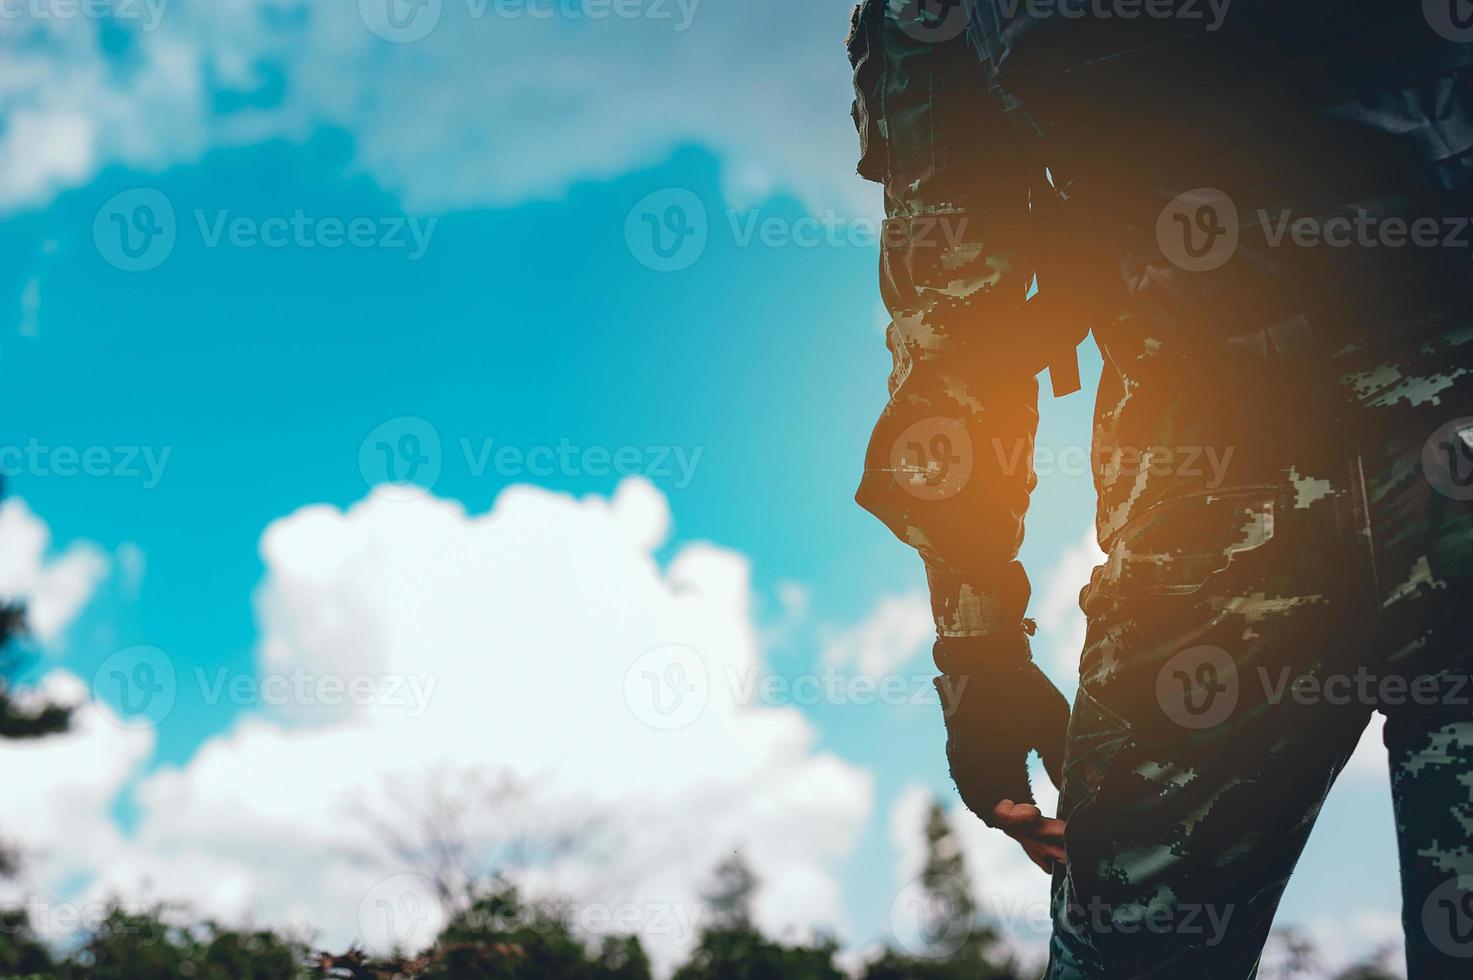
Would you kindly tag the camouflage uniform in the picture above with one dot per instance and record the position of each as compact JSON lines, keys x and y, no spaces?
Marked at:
{"x":1251,"y":615}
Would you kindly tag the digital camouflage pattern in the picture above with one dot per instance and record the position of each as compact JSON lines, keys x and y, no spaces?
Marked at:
{"x":1283,"y":452}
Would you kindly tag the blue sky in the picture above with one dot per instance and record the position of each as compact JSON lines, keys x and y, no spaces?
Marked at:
{"x":253,"y":376}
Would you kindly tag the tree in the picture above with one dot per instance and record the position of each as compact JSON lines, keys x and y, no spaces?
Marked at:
{"x":952,"y":941}
{"x":18,"y":717}
{"x":21,"y":952}
{"x":730,"y":946}
{"x":132,"y":944}
{"x":729,"y":898}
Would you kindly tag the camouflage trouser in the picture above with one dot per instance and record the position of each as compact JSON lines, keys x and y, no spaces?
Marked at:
{"x":1252,"y":616}
{"x":1250,"y":620}
{"x":1239,"y":641}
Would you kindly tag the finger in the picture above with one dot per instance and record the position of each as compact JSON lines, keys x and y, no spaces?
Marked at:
{"x":1009,"y":816}
{"x":1049,"y":828}
{"x":1044,"y":858}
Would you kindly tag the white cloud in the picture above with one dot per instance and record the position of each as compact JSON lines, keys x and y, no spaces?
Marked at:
{"x":529,"y":627}
{"x":63,"y":819}
{"x":1061,"y":623}
{"x":485,"y":109}
{"x":897,"y":630}
{"x":53,"y":588}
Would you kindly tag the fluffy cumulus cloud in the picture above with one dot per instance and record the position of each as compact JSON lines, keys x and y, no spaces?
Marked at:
{"x":897,"y":631}
{"x":54,"y":588}
{"x":452,"y":102}
{"x":61,"y":819}
{"x":528,"y":686}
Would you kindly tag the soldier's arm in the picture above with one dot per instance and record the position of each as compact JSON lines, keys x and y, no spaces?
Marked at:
{"x":950,"y":464}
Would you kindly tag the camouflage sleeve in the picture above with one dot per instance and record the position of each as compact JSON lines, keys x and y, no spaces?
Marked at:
{"x":950,"y":465}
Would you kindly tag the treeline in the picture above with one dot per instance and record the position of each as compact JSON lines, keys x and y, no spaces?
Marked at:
{"x":502,"y":936}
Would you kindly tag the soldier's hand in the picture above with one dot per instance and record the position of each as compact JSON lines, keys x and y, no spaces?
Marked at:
{"x":999,"y":706}
{"x":1042,"y":838}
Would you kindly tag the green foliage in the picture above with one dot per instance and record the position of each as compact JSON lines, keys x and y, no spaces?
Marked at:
{"x":744,"y":954}
{"x":31,"y":721}
{"x":21,"y":953}
{"x":732,"y":947}
{"x":499,"y":936}
{"x":133,"y":944}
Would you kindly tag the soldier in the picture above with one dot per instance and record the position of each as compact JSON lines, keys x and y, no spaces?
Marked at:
{"x":1261,"y":213}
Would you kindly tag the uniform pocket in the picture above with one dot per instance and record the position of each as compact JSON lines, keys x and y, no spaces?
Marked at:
{"x":1096,"y":735}
{"x":1177,"y":546}
{"x":867,"y":59}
